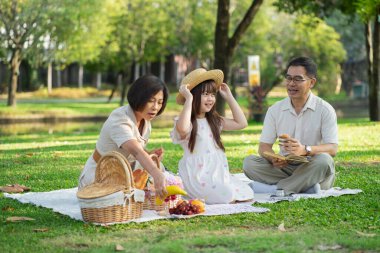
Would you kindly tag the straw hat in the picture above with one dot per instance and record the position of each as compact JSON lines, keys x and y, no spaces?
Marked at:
{"x":198,"y":76}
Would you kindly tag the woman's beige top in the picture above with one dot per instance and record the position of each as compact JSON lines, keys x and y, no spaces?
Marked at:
{"x":119,"y":128}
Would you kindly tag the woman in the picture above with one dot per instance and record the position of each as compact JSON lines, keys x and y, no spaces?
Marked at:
{"x":128,"y":128}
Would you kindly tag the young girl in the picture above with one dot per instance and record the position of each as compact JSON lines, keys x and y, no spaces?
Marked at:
{"x":204,"y":167}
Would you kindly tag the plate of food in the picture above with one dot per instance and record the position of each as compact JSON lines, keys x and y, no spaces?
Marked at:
{"x":187,"y":209}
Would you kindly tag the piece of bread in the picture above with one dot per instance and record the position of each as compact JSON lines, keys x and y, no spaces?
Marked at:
{"x":140,"y":177}
{"x":284,"y":136}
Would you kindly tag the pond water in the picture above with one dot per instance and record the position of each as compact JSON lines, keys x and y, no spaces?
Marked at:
{"x":64,"y":127}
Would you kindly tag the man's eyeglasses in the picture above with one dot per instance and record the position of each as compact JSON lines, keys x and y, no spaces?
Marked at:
{"x":295,"y":79}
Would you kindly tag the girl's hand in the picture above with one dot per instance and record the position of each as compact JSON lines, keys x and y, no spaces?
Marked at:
{"x":224,"y":90}
{"x":184,"y":91}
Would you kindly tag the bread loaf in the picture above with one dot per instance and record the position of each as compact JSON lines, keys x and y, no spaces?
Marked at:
{"x":140,"y":177}
{"x":284,"y":136}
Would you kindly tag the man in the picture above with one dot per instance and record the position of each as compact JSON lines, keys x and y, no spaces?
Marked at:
{"x":312,"y":126}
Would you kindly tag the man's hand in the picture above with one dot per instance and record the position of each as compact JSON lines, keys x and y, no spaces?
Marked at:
{"x":293,"y":146}
{"x":278,"y":163}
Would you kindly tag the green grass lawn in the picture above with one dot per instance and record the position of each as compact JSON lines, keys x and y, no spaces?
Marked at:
{"x":51,"y":158}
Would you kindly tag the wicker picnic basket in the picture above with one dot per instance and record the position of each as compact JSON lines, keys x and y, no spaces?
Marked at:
{"x":150,"y":197}
{"x":110,"y":199}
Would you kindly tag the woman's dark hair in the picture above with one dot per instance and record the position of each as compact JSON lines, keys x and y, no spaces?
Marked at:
{"x":307,"y":63}
{"x":143,"y":89}
{"x":213,"y":118}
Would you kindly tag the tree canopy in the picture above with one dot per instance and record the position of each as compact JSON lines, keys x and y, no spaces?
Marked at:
{"x":118,"y":34}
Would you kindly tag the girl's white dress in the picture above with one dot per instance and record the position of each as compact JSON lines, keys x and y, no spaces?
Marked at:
{"x":205,"y":173}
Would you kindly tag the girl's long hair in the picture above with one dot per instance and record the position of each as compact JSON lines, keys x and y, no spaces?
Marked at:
{"x":213,"y":118}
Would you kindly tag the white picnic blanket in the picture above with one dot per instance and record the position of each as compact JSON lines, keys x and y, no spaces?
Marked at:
{"x":65,"y":202}
{"x":266,"y":198}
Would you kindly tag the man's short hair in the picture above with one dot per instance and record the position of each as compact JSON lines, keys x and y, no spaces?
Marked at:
{"x":143,"y":89}
{"x":307,"y":63}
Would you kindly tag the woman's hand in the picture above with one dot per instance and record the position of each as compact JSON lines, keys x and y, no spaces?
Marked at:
{"x":224,"y":91}
{"x":134,"y":148}
{"x":160,"y":184}
{"x":185,"y":92}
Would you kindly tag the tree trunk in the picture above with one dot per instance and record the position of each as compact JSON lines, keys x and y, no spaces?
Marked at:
{"x":170,"y":71}
{"x":118,"y":83}
{"x":137,"y":71}
{"x":80,"y":76}
{"x":143,"y":68}
{"x":127,"y":78}
{"x":98,"y":80}
{"x":374,"y":109}
{"x":221,"y":44}
{"x":162,"y":70}
{"x":15,"y":70}
{"x":59,"y":78}
{"x":224,"y":47}
{"x":233,"y":83}
{"x":49,"y":78}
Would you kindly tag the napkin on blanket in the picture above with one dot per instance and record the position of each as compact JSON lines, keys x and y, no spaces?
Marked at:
{"x":266,"y":198}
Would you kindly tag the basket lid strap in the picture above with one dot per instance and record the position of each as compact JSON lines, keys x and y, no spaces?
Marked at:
{"x":127,"y":197}
{"x":156,"y":160}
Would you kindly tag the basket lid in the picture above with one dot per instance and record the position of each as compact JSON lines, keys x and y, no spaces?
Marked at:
{"x":97,"y":190}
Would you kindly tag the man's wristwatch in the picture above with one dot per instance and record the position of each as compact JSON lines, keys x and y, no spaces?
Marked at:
{"x":308,"y":149}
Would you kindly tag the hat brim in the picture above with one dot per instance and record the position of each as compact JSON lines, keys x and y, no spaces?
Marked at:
{"x":216,"y":75}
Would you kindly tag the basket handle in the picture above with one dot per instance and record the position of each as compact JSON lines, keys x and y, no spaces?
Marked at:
{"x":128,"y":171}
{"x":127,"y":167}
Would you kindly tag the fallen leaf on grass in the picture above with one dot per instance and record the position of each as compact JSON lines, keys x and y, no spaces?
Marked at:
{"x":82,"y":245}
{"x":25,"y":188}
{"x":18,"y":218}
{"x":40,"y":229}
{"x":281,"y":227}
{"x":58,"y":153}
{"x":7,"y":209}
{"x":329,"y":247}
{"x":11,"y":189}
{"x":365,"y":234}
{"x":14,"y":188}
{"x":119,"y":247}
{"x":29,"y":154}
